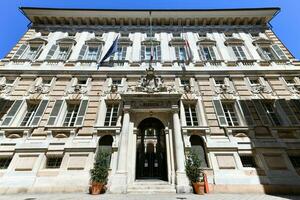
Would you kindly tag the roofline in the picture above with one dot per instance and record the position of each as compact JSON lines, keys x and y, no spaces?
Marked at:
{"x":109,"y":9}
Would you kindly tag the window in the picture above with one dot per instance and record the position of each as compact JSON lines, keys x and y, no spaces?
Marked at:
{"x":63,"y":53}
{"x":190,"y":115}
{"x":201,"y":35}
{"x":148,"y":50}
{"x":271,"y":52}
{"x":270,"y":110}
{"x":92,"y":53}
{"x":239,"y":52}
{"x":254,"y":81}
{"x":184,"y":81}
{"x":180,"y":52}
{"x":117,"y":81}
{"x":46,"y":81}
{"x":207,"y":53}
{"x":31,"y":111}
{"x":4,"y":162}
{"x":295,"y":160}
{"x":248,"y":161}
{"x":28,"y":52}
{"x":4,"y":107}
{"x":230,"y":114}
{"x":10,"y":81}
{"x":71,"y":115}
{"x":219,"y":81}
{"x":82,"y":81}
{"x":59,"y":52}
{"x":53,"y":162}
{"x":120,"y":54}
{"x":111,"y":115}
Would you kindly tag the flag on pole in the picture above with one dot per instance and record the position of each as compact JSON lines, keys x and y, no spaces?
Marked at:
{"x":112,"y":49}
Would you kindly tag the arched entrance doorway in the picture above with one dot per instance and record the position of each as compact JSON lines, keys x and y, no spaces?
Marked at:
{"x":151,"y":159}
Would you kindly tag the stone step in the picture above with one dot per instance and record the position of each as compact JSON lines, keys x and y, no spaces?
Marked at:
{"x":151,"y":187}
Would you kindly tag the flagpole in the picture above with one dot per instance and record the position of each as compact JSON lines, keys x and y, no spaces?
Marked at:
{"x":151,"y":48}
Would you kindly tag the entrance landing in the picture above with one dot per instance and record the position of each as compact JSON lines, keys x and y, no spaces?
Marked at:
{"x":151,"y":187}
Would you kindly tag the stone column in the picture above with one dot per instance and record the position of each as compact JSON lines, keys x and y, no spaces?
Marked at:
{"x":182,"y":183}
{"x":119,"y":180}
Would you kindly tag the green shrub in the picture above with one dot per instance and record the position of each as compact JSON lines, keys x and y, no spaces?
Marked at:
{"x":99,"y":173}
{"x":193,"y":168}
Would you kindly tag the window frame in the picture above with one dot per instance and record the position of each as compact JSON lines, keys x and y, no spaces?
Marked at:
{"x":110,"y":108}
{"x":192,"y":109}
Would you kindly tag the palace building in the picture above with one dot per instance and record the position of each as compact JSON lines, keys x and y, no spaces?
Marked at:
{"x":216,"y":82}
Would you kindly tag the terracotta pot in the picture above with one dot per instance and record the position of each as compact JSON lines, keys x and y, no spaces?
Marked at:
{"x":96,"y":188}
{"x":199,"y":187}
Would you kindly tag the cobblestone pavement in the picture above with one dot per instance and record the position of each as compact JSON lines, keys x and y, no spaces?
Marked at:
{"x":82,"y":196}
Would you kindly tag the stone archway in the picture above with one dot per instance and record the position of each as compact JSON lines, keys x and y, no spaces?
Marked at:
{"x":151,"y":156}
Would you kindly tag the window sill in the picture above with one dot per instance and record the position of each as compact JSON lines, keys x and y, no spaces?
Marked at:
{"x":107,"y":128}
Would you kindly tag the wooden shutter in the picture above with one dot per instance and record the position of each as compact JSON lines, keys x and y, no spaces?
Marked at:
{"x":39,"y":113}
{"x":279,"y":52}
{"x":12,"y":112}
{"x":143,"y":50}
{"x":69,"y":53}
{"x":201,"y":53}
{"x":261,"y":111}
{"x":158,"y":52}
{"x":212,"y":53}
{"x":177,"y":52}
{"x":283,"y":106}
{"x":262,"y":54}
{"x":82,"y":52}
{"x":38,"y":52}
{"x":81,"y":113}
{"x":242,"y":51}
{"x":124,"y":50}
{"x":51,"y":52}
{"x":243,"y":104}
{"x":54,"y":113}
{"x":220,"y":112}
{"x":99,"y":52}
{"x":20,"y":51}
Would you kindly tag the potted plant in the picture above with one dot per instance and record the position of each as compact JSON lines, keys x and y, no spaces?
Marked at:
{"x":99,"y":172}
{"x":194,"y":172}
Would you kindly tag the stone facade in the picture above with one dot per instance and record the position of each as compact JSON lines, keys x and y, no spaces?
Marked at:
{"x":220,"y":82}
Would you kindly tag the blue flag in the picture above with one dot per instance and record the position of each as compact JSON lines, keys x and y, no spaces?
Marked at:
{"x":112,"y":49}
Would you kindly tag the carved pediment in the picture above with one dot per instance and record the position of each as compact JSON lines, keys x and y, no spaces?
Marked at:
{"x":94,"y":41}
{"x":151,"y":41}
{"x":151,"y":83}
{"x":177,"y":41}
{"x":206,"y":41}
{"x":262,"y":41}
{"x":66,"y":41}
{"x":37,"y":40}
{"x":234,"y":41}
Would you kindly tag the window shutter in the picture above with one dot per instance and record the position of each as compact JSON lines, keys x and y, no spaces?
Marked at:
{"x":158,"y":52}
{"x":262,"y":54}
{"x":177,"y":52}
{"x":220,"y":112}
{"x":69,"y":53}
{"x":201,"y":53}
{"x":242,"y":51}
{"x":51,"y":52}
{"x":285,"y":108}
{"x":279,"y":52}
{"x":38,"y":52}
{"x":212,"y":53}
{"x":243,"y":104}
{"x":39,"y":113}
{"x":233,"y":53}
{"x":82,"y":52}
{"x":81,"y":113}
{"x":261,"y":111}
{"x":143,"y":49}
{"x":54,"y":113}
{"x":12,"y":112}
{"x":124,"y":50}
{"x":99,"y":52}
{"x":20,"y":51}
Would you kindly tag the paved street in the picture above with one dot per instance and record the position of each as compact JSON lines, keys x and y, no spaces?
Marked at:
{"x":81,"y":196}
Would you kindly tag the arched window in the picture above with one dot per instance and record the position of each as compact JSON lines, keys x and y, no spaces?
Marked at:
{"x":105,"y":145}
{"x":197,"y":146}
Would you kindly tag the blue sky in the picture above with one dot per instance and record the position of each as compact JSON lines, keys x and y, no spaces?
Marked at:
{"x":285,"y":25}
